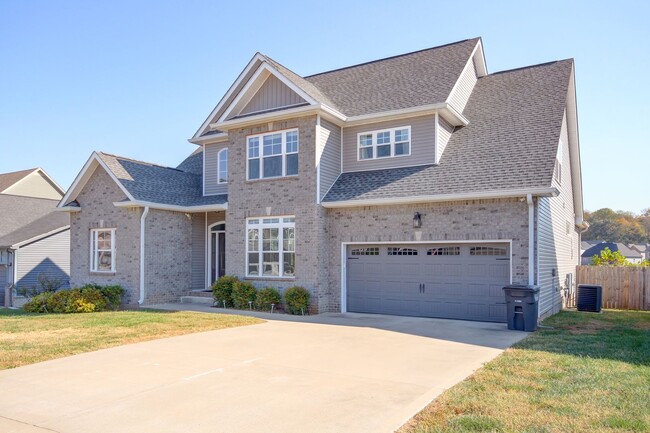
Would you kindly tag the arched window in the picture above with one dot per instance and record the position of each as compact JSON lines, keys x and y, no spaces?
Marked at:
{"x":223,"y":166}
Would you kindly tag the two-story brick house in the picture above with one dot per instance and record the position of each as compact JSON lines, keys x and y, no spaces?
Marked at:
{"x":413,"y":185}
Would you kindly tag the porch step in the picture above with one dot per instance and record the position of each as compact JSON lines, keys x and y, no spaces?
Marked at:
{"x":201,"y":293}
{"x":197,"y":300}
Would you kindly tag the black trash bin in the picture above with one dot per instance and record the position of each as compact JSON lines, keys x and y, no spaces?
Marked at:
{"x":522,"y":305}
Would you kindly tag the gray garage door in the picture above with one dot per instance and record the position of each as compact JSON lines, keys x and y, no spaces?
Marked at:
{"x":448,"y":281}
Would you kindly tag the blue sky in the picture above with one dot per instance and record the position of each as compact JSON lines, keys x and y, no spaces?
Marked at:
{"x":137,"y":78}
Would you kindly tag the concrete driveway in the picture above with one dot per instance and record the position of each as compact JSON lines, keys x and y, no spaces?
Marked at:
{"x":327,"y":373}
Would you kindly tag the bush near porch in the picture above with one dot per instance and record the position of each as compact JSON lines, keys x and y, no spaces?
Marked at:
{"x":230,"y":291}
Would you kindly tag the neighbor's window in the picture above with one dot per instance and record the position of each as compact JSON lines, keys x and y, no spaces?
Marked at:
{"x":222,"y":166}
{"x":384,"y":143}
{"x":102,"y":250}
{"x":273,"y":155}
{"x":271,"y":247}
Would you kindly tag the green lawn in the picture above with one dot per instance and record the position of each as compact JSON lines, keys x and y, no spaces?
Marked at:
{"x":29,"y":338}
{"x":589,"y":373}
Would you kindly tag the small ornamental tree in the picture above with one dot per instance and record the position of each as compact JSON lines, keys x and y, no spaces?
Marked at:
{"x":608,"y":257}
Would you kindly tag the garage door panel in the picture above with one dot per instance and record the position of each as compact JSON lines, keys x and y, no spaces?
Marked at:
{"x":448,"y":283}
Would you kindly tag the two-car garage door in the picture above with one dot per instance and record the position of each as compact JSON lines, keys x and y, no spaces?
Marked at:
{"x":456,"y":281}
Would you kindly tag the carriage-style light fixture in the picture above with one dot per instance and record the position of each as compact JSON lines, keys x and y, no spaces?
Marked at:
{"x":417,"y":220}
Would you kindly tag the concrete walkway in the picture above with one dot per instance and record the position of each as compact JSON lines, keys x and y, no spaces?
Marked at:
{"x":325,"y":373}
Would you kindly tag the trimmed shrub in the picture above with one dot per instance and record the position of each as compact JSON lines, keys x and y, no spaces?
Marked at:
{"x":266,"y":297}
{"x":222,"y":289}
{"x":38,"y":303}
{"x":296,"y":299}
{"x":242,"y":293}
{"x":113,"y":296}
{"x":87,"y":299}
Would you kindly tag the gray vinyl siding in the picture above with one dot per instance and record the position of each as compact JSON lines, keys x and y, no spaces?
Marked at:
{"x":330,"y":159}
{"x":557,"y":250}
{"x":49,"y":256}
{"x":211,"y":161}
{"x":466,"y":82}
{"x":273,"y":94}
{"x":444,"y":134}
{"x":198,"y":251}
{"x":423,"y":130}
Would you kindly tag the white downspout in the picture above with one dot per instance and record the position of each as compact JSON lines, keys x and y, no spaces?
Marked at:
{"x":142,"y":219}
{"x":531,"y":239}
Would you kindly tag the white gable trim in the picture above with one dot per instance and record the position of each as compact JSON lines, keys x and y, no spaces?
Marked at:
{"x":85,"y":174}
{"x":205,"y":126}
{"x":254,"y":84}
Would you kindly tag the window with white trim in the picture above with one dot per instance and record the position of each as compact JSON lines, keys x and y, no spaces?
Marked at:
{"x":272,"y":154}
{"x":271,"y":247}
{"x":102,"y":250}
{"x":222,"y":166}
{"x":384,"y":143}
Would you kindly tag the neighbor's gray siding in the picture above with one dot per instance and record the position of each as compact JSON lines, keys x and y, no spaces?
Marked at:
{"x":423,"y":130}
{"x":198,"y":251}
{"x":557,"y":249}
{"x":3,"y":280}
{"x":329,"y":148}
{"x":465,"y":84}
{"x":211,"y":155}
{"x":444,"y":134}
{"x":49,"y":256}
{"x":273,"y":94}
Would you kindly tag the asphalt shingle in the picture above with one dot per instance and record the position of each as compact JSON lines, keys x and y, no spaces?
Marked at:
{"x":510,"y":143}
{"x":158,"y":184}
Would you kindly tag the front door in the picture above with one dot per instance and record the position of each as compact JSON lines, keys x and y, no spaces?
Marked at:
{"x":217,"y":249}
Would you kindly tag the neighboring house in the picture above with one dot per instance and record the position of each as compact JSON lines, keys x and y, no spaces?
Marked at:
{"x":413,"y":185}
{"x":630,"y":254}
{"x":585,"y":245}
{"x":643,"y":249}
{"x":34,"y":237}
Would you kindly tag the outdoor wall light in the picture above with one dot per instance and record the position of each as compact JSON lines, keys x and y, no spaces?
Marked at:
{"x":417,"y":220}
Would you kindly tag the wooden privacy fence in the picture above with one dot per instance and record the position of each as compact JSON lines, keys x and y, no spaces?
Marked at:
{"x":626,"y":288}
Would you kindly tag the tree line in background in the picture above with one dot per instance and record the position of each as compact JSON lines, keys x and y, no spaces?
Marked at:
{"x":618,"y":226}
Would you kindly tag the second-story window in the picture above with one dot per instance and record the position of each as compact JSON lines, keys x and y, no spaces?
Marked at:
{"x":222,"y":169}
{"x":384,"y":143}
{"x":272,"y":154}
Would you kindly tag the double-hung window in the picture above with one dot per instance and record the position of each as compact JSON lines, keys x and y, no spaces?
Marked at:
{"x":222,"y":166}
{"x":102,"y":250}
{"x":272,"y":154}
{"x":271,"y":247}
{"x":558,"y":162}
{"x":384,"y":143}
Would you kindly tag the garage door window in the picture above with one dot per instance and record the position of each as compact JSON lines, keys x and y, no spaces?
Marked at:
{"x":402,"y":252}
{"x":371,"y":251}
{"x":488,"y":251}
{"x":270,"y":247}
{"x":444,"y":251}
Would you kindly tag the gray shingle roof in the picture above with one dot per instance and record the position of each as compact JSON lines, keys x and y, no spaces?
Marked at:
{"x":511,"y":142}
{"x":18,"y":211}
{"x":158,"y":184}
{"x":404,"y":81}
{"x":613,"y":246}
{"x":8,"y":179}
{"x":193,"y":163}
{"x":45,"y":224}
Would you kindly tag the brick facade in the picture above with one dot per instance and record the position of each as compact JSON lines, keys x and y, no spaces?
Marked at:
{"x":505,"y":219}
{"x":97,"y":211}
{"x":286,"y":196}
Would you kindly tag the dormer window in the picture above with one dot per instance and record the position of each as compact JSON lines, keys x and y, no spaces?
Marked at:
{"x":222,"y":169}
{"x":272,"y":155}
{"x":384,"y":143}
